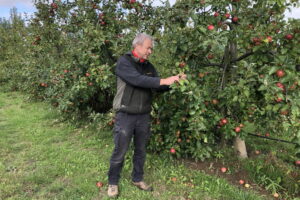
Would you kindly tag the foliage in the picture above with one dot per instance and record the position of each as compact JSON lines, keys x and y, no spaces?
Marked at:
{"x":240,"y":58}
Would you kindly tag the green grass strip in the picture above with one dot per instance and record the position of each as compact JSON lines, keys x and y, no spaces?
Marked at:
{"x":43,"y":158}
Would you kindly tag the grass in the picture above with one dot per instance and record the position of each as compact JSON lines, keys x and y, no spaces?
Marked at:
{"x":44,"y":158}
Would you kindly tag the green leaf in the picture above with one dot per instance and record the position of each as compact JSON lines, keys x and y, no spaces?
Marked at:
{"x":273,"y":70}
{"x":249,"y":127}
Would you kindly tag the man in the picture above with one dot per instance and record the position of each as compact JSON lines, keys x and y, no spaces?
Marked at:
{"x":136,"y":79}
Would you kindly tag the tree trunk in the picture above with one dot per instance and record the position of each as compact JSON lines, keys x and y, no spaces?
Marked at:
{"x":240,"y":147}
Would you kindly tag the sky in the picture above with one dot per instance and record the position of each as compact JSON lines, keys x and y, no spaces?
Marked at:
{"x":26,"y":6}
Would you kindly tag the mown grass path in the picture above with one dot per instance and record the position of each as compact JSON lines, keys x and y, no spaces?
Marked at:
{"x":42,"y":158}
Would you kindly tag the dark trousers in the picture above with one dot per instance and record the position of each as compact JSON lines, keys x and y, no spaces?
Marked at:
{"x":128,"y":126}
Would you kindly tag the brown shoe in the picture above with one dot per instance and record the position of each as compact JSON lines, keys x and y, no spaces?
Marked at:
{"x":112,"y":191}
{"x":143,"y":186}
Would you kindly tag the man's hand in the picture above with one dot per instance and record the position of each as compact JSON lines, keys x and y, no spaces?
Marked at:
{"x":182,"y":76}
{"x":172,"y":79}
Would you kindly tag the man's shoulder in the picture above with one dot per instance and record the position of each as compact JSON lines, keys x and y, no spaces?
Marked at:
{"x":125,"y":57}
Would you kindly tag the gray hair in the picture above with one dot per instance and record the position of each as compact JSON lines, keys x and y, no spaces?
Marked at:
{"x":140,"y":38}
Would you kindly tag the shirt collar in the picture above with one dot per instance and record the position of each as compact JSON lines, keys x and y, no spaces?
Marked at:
{"x":135,"y":55}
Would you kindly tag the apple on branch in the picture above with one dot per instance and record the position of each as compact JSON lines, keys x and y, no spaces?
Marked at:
{"x":210,"y":27}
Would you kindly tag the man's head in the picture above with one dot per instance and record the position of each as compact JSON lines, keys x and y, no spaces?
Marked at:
{"x":142,"y":45}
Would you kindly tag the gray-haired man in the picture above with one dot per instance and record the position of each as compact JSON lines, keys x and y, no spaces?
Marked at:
{"x":136,"y":79}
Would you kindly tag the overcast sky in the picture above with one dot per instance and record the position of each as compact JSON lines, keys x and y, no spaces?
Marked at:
{"x":26,"y":6}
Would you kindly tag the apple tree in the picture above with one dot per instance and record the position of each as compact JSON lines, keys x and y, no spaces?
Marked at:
{"x":241,"y":58}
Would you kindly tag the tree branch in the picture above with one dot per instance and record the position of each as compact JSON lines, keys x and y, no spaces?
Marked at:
{"x":212,"y":65}
{"x":249,"y":53}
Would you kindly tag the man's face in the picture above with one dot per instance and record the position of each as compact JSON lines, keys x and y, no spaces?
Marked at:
{"x":144,"y":50}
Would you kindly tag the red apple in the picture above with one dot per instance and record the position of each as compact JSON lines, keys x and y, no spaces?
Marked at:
{"x":297,"y":162}
{"x":216,"y":14}
{"x":182,"y":64}
{"x":132,"y":1}
{"x":280,"y":85}
{"x":235,"y":19}
{"x":288,"y":36}
{"x":99,"y":184}
{"x":237,"y":129}
{"x":224,"y":121}
{"x":284,"y":112}
{"x":90,"y":83}
{"x":256,"y":39}
{"x":87,"y":74}
{"x":267,"y":134}
{"x":241,"y":182}
{"x":269,"y":38}
{"x":210,"y":27}
{"x":210,"y":56}
{"x":227,"y":15}
{"x":54,"y":5}
{"x":223,"y":169}
{"x":280,"y":73}
{"x":278,"y":100}
{"x":172,"y":151}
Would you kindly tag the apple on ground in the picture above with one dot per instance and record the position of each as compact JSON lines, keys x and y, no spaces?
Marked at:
{"x":247,"y":185}
{"x":99,"y":184}
{"x":223,"y":169}
{"x":241,"y":182}
{"x":276,"y":195}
